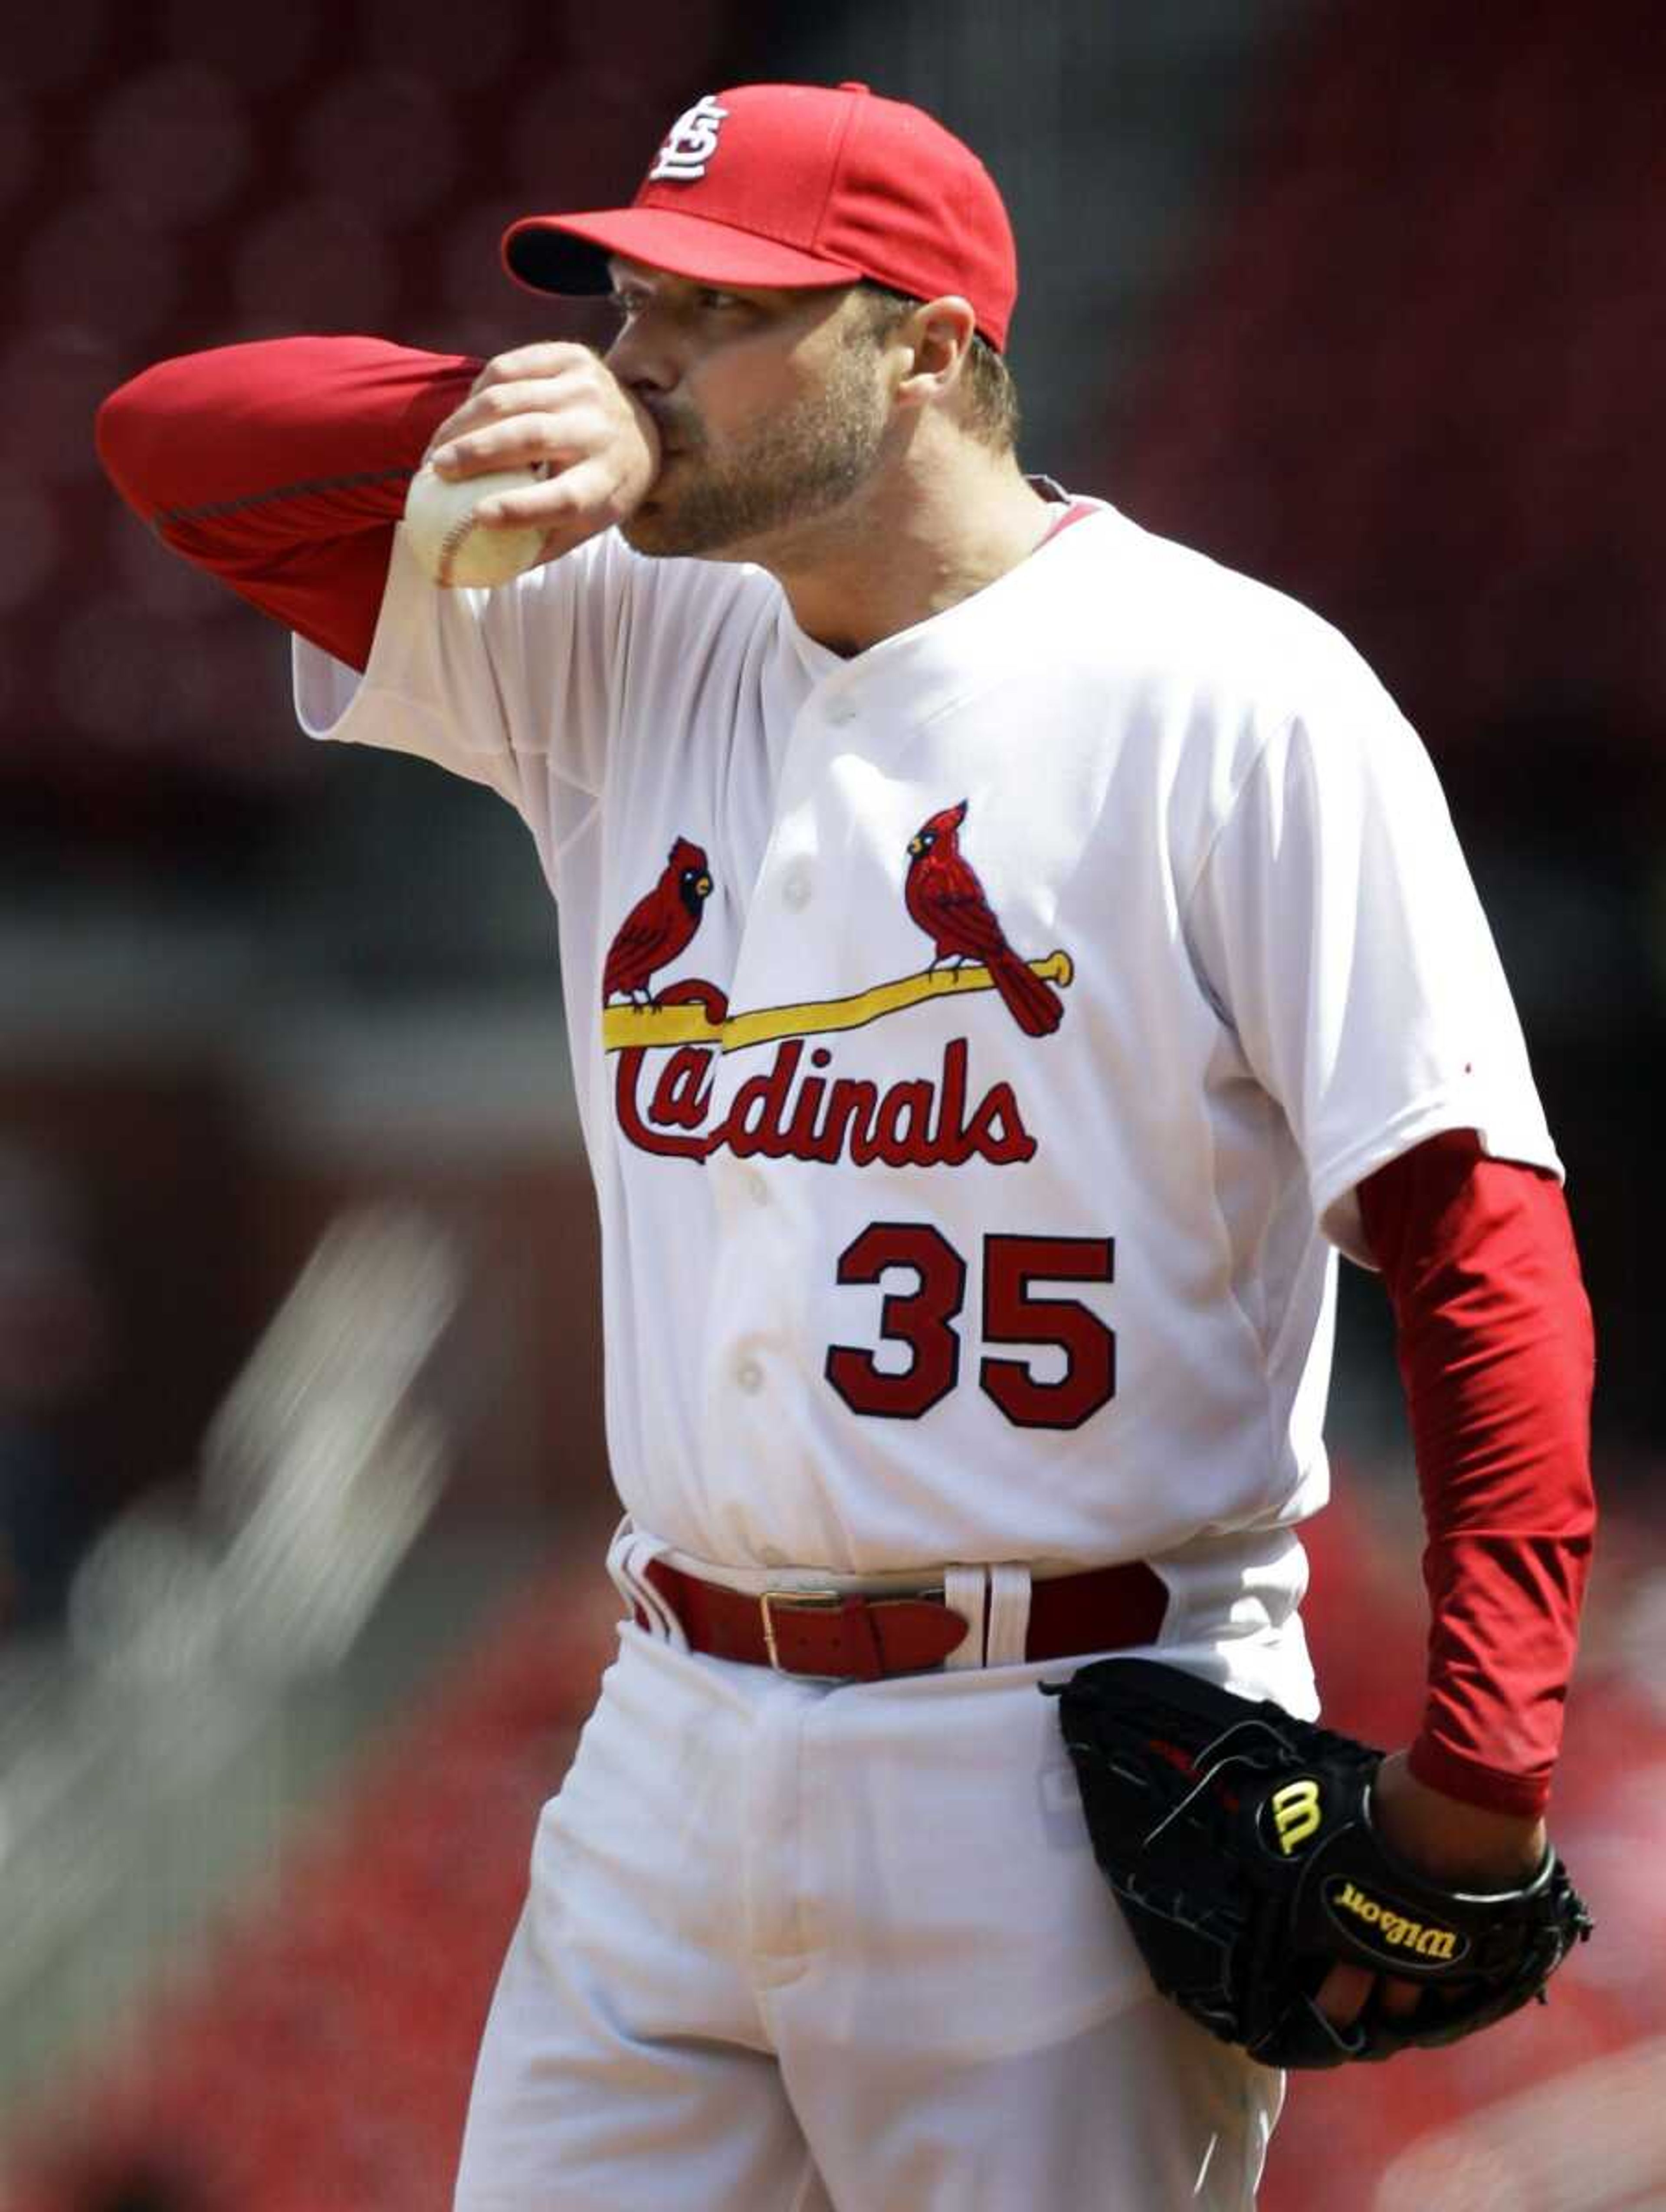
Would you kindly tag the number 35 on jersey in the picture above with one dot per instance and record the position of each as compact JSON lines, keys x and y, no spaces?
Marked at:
{"x":923,"y":1327}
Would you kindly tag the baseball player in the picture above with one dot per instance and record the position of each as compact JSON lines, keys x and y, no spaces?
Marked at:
{"x":1007,"y":958}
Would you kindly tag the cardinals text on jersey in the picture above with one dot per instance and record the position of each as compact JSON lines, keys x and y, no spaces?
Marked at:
{"x":799,"y":1107}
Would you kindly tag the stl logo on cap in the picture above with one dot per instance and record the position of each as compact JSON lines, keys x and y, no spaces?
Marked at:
{"x":690,"y":143}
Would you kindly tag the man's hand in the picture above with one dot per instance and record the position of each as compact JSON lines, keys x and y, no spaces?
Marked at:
{"x":561,"y":404}
{"x":1442,"y":1837}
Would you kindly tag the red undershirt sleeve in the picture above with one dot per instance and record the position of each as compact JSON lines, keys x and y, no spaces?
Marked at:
{"x":1496,"y":1357}
{"x":281,"y":468}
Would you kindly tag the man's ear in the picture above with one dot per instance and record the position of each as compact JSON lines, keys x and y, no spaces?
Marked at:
{"x":939,"y":335}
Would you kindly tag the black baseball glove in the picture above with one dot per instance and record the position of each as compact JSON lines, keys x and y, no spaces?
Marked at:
{"x":1239,"y":1843}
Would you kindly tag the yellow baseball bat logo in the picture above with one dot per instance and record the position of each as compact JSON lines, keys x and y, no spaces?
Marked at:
{"x":1296,"y":1814}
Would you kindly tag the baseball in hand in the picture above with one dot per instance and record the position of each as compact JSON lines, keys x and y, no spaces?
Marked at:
{"x":455,"y":549}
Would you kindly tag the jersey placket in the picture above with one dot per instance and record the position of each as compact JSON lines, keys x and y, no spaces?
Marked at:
{"x":758,"y":1352}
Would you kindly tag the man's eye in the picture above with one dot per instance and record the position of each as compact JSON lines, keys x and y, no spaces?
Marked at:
{"x":624,"y":304}
{"x":709,"y":298}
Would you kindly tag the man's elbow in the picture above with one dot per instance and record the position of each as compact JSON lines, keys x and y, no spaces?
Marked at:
{"x":133,"y":432}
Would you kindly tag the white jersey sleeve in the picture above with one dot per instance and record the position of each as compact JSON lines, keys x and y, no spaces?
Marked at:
{"x":509,"y":688}
{"x":1335,"y":925}
{"x":557,"y":690}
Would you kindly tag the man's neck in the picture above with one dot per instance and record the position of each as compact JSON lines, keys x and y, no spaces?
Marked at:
{"x":926,"y":535}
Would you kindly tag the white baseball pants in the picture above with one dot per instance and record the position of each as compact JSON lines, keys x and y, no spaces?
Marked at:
{"x":796,"y":1947}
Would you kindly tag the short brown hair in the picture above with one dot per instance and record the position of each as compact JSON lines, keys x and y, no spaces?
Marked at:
{"x":991,"y":396}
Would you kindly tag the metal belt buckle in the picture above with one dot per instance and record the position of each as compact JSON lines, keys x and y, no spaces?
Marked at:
{"x":796,"y":1600}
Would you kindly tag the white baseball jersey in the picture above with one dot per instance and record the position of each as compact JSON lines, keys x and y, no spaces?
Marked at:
{"x":910,"y":1258}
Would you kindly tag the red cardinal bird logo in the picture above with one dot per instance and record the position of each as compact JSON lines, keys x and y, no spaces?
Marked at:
{"x":659,"y":926}
{"x":947,"y":901}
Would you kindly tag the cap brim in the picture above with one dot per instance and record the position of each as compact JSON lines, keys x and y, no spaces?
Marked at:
{"x":568,"y":253}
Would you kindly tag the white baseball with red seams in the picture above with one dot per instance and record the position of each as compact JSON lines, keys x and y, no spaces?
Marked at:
{"x":978,"y":1043}
{"x":452,"y":545}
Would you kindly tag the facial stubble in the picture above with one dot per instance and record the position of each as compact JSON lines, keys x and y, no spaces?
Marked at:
{"x":798,"y":465}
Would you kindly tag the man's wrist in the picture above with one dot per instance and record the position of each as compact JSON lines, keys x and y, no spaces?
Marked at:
{"x":1449,"y":1838}
{"x":1474,"y":1782}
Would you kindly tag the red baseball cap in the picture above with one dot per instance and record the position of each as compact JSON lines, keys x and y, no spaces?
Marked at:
{"x":795,"y":185}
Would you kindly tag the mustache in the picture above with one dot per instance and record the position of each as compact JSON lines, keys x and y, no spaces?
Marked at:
{"x":680,"y":430}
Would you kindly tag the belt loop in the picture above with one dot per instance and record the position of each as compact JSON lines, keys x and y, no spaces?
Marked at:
{"x":1008,"y":1614}
{"x":628,"y":1559}
{"x":963,"y":1592}
{"x":617,"y":1550}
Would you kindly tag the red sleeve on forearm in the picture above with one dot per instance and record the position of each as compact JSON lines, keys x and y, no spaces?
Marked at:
{"x":281,"y":468}
{"x":1496,"y":1357}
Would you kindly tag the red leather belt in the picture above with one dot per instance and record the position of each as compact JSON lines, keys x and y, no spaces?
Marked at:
{"x":842,"y":1636}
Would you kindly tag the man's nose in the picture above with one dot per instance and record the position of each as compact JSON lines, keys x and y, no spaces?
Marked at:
{"x":642,"y":361}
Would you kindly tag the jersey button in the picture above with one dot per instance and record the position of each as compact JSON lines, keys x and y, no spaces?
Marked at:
{"x":842,"y":710}
{"x":798,"y":889}
{"x":748,"y":1377}
{"x":756,"y":1188}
